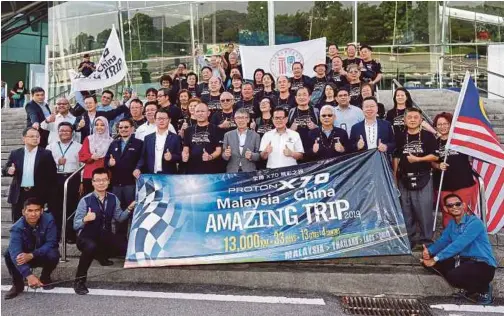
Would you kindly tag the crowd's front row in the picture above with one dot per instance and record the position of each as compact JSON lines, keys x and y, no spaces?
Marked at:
{"x":463,"y":250}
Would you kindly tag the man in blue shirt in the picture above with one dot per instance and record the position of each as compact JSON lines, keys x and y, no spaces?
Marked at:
{"x":33,"y":243}
{"x":463,"y":254}
{"x":93,"y":223}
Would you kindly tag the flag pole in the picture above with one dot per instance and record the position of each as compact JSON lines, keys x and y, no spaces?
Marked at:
{"x":447,"y":146}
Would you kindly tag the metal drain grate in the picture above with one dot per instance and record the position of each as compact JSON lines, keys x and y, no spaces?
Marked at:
{"x":380,"y":306}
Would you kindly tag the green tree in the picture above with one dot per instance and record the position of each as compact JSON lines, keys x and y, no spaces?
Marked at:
{"x":257,"y":16}
{"x":83,"y":42}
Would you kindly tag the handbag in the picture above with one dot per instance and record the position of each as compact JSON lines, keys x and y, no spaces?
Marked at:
{"x":416,"y":181}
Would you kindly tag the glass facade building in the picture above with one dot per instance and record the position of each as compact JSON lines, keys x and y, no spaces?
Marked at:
{"x":415,"y":41}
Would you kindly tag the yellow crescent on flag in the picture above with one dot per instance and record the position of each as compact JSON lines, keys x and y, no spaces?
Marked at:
{"x":482,"y":108}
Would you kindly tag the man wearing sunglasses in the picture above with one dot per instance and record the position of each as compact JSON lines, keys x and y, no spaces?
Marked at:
{"x":463,"y":254}
{"x":327,"y":141}
{"x":121,"y":159}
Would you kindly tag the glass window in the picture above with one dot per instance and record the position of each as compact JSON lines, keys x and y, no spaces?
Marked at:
{"x":22,"y":48}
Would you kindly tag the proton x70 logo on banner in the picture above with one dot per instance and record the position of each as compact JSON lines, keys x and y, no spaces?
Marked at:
{"x":282,"y":61}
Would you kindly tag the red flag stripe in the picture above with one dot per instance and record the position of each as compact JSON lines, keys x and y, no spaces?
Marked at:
{"x":474,"y":121}
{"x":478,"y":147}
{"x":475,"y":134}
{"x":496,"y":190}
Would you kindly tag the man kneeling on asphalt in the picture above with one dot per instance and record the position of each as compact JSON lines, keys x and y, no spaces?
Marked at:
{"x":463,"y":254}
{"x":33,"y":243}
{"x":93,"y":223}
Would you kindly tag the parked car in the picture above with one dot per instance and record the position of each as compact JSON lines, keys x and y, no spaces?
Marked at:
{"x":472,"y":56}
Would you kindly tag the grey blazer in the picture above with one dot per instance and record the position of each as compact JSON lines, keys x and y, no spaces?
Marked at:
{"x":252,"y":142}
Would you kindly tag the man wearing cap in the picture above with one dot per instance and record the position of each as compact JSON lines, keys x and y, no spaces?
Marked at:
{"x":370,"y":69}
{"x":319,"y":81}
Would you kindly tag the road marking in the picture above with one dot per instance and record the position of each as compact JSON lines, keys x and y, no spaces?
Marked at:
{"x":469,"y":308}
{"x":189,"y":296}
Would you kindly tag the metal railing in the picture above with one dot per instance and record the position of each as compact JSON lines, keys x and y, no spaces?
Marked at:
{"x":65,"y":219}
{"x":396,"y":84}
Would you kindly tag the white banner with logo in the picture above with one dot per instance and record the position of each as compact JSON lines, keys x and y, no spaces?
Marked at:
{"x":278,"y":59}
{"x":110,"y":70}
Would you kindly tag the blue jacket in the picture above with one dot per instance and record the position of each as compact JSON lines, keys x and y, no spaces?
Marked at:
{"x":39,"y":240}
{"x":469,"y":239}
{"x":126,"y":161}
{"x":173,"y":143}
{"x":385,"y":134}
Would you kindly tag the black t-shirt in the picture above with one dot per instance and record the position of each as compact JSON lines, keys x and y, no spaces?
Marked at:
{"x":323,"y":102}
{"x":193,"y":91}
{"x":219,"y":117}
{"x":263,"y":126}
{"x":250,"y":106}
{"x":288,"y":103}
{"x":396,"y":119}
{"x":318,"y":89}
{"x":459,"y":173}
{"x":304,"y":81}
{"x":136,"y":123}
{"x":213,"y":102}
{"x":198,"y":138}
{"x":86,"y":71}
{"x":258,"y":88}
{"x":349,"y":61}
{"x":203,"y":89}
{"x":355,"y":95}
{"x":381,"y":111}
{"x":337,"y":79}
{"x":373,"y":68}
{"x":302,"y":118}
{"x":236,"y":95}
{"x":420,"y":145}
{"x":272,"y":95}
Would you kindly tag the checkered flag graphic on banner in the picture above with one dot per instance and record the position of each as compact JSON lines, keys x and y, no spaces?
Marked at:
{"x":154,"y":222}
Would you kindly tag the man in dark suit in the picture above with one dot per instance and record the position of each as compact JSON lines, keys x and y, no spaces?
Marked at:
{"x":161,"y":150}
{"x":372,"y":132}
{"x":121,"y":159}
{"x":33,"y":170}
{"x":38,"y":111}
{"x":85,"y":122}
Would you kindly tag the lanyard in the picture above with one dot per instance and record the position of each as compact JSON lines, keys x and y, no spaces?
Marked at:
{"x":61,"y":150}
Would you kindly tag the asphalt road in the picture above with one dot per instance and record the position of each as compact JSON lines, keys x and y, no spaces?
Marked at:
{"x":162,"y":299}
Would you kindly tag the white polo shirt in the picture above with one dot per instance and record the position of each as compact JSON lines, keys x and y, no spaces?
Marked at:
{"x":277,"y":159}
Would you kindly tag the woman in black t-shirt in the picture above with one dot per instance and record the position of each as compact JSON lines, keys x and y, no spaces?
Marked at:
{"x":236,"y":88}
{"x":268,"y":90}
{"x":329,"y":96}
{"x":258,"y":85}
{"x":367,"y":90}
{"x":458,"y":177}
{"x":264,"y":123}
{"x":395,"y":116}
{"x":191,"y":84}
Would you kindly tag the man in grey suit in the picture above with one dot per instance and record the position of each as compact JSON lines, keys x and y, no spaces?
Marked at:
{"x":241,"y":146}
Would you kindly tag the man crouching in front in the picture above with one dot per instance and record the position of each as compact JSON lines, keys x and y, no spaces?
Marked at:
{"x":93,"y":223}
{"x":463,"y":254}
{"x":33,"y":243}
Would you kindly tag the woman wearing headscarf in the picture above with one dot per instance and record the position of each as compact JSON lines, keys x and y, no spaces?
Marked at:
{"x":93,"y":151}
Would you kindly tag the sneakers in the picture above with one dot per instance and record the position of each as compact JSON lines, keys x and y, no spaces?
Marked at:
{"x":13,"y":292}
{"x":105,"y":262}
{"x":80,"y":287}
{"x":485,"y":298}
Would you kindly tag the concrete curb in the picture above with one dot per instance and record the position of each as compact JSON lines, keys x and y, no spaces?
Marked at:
{"x":300,"y":276}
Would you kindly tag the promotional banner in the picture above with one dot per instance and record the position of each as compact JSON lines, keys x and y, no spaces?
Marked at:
{"x":343,"y":207}
{"x":110,"y":70}
{"x":278,"y":59}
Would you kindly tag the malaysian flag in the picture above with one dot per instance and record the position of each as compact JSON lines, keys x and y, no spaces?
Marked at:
{"x":472,"y":134}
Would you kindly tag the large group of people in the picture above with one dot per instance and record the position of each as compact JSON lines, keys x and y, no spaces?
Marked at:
{"x":214,"y":123}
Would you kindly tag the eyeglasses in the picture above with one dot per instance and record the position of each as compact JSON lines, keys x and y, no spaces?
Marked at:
{"x":161,"y":118}
{"x":61,"y":103}
{"x":226,"y":100}
{"x":452,"y":205}
{"x":160,"y":95}
{"x":241,"y":117}
{"x":443,"y":124}
{"x":326,"y":115}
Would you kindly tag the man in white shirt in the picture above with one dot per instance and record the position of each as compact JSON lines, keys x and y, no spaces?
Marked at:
{"x":282,"y":147}
{"x":52,"y":122}
{"x":149,"y":127}
{"x":347,"y":115}
{"x":65,"y":152}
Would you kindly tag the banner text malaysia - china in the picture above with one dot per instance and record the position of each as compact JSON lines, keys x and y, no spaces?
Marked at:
{"x":345,"y":207}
